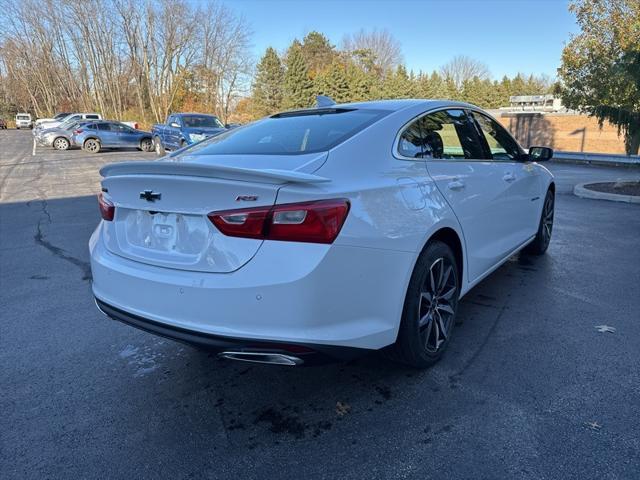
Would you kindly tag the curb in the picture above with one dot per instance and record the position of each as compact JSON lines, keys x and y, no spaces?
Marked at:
{"x":582,"y":192}
{"x":600,"y":163}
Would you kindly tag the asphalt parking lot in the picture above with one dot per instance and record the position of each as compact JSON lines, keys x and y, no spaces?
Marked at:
{"x":529,"y":388}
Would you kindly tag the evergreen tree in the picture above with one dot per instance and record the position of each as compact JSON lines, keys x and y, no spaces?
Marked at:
{"x":317,"y":52}
{"x":298,"y":87}
{"x":361,"y":84}
{"x":333,"y":82}
{"x":268,"y":84}
{"x":398,"y":85}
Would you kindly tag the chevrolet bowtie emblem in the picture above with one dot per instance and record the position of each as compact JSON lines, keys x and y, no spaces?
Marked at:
{"x":150,"y":196}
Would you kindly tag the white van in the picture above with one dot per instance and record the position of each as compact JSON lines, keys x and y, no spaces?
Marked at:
{"x":23,"y":120}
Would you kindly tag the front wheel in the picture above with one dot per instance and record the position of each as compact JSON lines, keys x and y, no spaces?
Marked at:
{"x":91,"y":145}
{"x":146,"y":145}
{"x":158,"y":146}
{"x":541,"y":241}
{"x":430,"y":308}
{"x":61,"y":143}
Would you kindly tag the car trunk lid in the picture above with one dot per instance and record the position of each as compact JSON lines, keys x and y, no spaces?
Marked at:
{"x":162,"y":206}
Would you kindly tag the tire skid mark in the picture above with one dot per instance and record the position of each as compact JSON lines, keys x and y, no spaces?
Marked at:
{"x":456,"y":376}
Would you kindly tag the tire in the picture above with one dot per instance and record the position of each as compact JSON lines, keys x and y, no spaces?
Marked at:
{"x":426,"y":326}
{"x":91,"y":145}
{"x":61,"y":143}
{"x":541,"y":241}
{"x":146,"y":145}
{"x":158,"y":146}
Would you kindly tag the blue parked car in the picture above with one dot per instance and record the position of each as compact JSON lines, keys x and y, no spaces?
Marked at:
{"x":95,"y":136}
{"x":182,"y":129}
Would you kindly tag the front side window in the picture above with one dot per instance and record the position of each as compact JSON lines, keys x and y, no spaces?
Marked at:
{"x":446,"y":134}
{"x":290,"y":133}
{"x":501,"y":145}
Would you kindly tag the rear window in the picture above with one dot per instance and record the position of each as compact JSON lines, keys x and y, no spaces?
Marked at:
{"x":291,"y":133}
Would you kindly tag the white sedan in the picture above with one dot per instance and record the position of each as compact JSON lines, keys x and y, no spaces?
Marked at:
{"x":320,"y":233}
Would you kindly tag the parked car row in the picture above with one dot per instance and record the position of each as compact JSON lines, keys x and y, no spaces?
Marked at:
{"x":93,"y":135}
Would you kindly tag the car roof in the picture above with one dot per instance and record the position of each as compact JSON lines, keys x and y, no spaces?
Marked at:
{"x":398,"y":104}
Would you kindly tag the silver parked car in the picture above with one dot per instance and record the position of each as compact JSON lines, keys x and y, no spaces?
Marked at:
{"x":60,"y":137}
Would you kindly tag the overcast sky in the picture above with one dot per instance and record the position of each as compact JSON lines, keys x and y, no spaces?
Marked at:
{"x":510,"y":36}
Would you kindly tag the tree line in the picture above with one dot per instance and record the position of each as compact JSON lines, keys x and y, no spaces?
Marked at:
{"x":363,"y":69}
{"x":137,"y":59}
{"x":142,"y":59}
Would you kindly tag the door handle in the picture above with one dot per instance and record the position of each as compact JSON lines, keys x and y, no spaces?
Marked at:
{"x":509,"y":177}
{"x":456,"y":185}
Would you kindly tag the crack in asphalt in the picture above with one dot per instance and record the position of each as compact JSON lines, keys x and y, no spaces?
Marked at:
{"x":40,"y":239}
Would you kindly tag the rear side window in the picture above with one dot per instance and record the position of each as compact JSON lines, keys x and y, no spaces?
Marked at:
{"x":447,"y":134}
{"x":291,"y":133}
{"x":104,"y":127}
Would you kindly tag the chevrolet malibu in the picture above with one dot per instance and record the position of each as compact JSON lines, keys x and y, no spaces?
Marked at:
{"x":320,"y":233}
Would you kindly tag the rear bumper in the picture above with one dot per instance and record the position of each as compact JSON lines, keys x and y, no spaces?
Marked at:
{"x":309,"y":354}
{"x":306,"y":294}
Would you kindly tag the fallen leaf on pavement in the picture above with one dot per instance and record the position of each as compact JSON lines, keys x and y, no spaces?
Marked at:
{"x":605,"y":329}
{"x":593,"y":425}
{"x":342,"y":408}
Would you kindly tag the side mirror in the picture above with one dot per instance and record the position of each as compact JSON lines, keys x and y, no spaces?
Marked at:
{"x":174,"y":125}
{"x":540,"y":154}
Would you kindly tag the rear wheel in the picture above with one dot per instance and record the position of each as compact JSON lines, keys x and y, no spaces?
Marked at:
{"x":429,"y":309}
{"x":146,"y":145}
{"x":61,"y":143}
{"x":91,"y":145}
{"x":158,"y":146}
{"x":541,"y":241}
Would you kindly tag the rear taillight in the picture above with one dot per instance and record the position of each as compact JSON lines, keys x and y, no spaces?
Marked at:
{"x":316,"y":222}
{"x":77,"y":131}
{"x":107,"y":209}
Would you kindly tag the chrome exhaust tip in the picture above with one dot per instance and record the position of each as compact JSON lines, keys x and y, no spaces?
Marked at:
{"x":260,"y":357}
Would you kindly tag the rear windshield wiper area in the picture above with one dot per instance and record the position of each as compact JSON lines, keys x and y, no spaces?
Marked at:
{"x":312,"y":111}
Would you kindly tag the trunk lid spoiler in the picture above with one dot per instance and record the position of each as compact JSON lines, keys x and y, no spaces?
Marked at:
{"x":232,"y":168}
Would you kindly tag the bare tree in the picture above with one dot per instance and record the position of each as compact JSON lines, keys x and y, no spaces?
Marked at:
{"x":139,"y":58}
{"x":384,"y":50}
{"x":462,"y":68}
